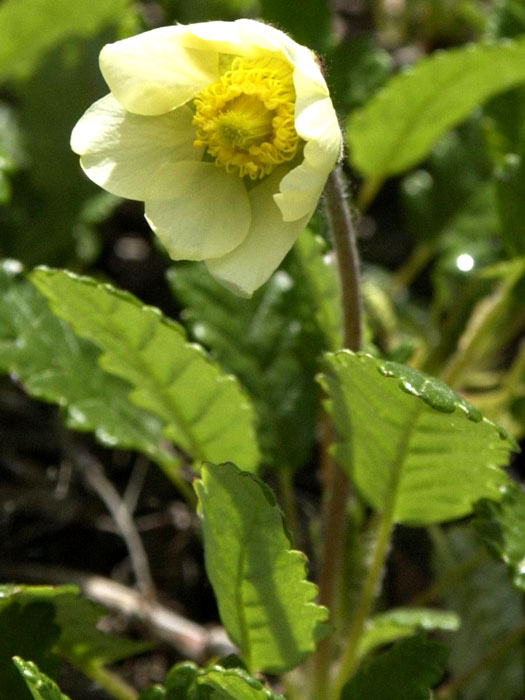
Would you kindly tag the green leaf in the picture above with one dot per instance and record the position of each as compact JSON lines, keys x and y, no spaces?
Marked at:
{"x":271,"y":344}
{"x":399,"y":125}
{"x":41,"y":224}
{"x":54,"y":365}
{"x":458,"y":167}
{"x":308,"y":21}
{"x":81,"y":643}
{"x":44,"y":623}
{"x":27,"y":629}
{"x":185,"y":681}
{"x":358,"y":67}
{"x":204,"y":410}
{"x":413,"y":448}
{"x":491,"y":611}
{"x":40,"y":686}
{"x":502,"y":528}
{"x":406,"y":672}
{"x":507,"y":18}
{"x":404,"y":622}
{"x":264,"y":600}
{"x":314,"y":270}
{"x":511,"y":193}
{"x":155,"y":692}
{"x":29,"y":28}
{"x":235,"y":684}
{"x":180,"y":681}
{"x":54,"y":47}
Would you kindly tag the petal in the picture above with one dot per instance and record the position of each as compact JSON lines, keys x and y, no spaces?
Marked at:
{"x":244,"y":37}
{"x":121,"y":151}
{"x":197,"y":210}
{"x":154,"y":72}
{"x":265,"y":37}
{"x":318,"y":123}
{"x":219,"y":36}
{"x":310,"y":85}
{"x":248,"y":266}
{"x":301,"y":188}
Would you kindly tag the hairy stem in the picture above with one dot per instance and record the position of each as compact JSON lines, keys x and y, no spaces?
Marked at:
{"x":345,"y":242}
{"x":350,"y":656}
{"x":335,"y":481}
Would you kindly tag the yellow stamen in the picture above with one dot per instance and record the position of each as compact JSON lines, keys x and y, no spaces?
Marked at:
{"x":246,"y":119}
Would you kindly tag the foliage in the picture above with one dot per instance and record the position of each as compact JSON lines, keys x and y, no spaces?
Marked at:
{"x":186,"y":681}
{"x":203,"y":410}
{"x":41,"y":687}
{"x":320,"y":530}
{"x":55,"y":365}
{"x":270,"y":342}
{"x":47,"y":624}
{"x":501,"y":528}
{"x":397,"y":623}
{"x":490,"y":612}
{"x":405,"y":672}
{"x":264,"y":601}
{"x":32,"y":27}
{"x":405,"y":437}
{"x":397,"y":128}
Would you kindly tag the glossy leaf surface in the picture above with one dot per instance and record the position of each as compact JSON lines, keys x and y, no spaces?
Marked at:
{"x":414,"y":449}
{"x":204,"y":410}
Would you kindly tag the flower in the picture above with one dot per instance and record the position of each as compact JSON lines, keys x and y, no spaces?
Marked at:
{"x":225,"y":130}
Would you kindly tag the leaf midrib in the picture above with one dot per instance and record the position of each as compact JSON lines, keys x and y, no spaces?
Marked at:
{"x":396,"y":472}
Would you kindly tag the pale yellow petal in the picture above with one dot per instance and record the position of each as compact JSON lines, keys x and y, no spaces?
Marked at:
{"x":154,"y":72}
{"x":222,"y":37}
{"x":318,"y":123}
{"x":197,"y":210}
{"x":267,"y":38}
{"x":120,"y":151}
{"x":301,"y":188}
{"x":300,"y":191}
{"x":310,"y":85}
{"x":244,"y":37}
{"x":248,"y":266}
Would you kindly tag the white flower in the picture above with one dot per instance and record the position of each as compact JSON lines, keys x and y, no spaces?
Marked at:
{"x":225,"y":130}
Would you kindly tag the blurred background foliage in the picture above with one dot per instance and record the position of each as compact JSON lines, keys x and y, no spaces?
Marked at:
{"x":442,"y":245}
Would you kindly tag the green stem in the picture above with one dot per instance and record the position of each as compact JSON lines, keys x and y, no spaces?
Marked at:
{"x":289,"y":504}
{"x":386,"y":523}
{"x":183,"y":487}
{"x":368,"y":191}
{"x":480,"y":326}
{"x":110,"y":682}
{"x":350,"y":657}
{"x":336,"y":482}
{"x":405,"y":275}
{"x":513,"y":376}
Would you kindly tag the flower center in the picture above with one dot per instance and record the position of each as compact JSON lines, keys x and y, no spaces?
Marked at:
{"x":246,"y":120}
